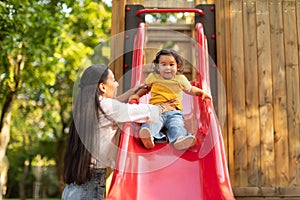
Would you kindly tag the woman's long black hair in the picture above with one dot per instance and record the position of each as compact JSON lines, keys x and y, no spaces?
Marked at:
{"x":77,"y":158}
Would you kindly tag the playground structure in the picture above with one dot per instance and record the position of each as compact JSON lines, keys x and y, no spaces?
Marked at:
{"x":257,"y":48}
{"x":164,"y":173}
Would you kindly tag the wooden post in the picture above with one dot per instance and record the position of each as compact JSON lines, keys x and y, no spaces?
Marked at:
{"x":117,"y":42}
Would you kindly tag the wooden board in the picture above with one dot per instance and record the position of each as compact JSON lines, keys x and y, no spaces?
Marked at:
{"x":292,"y":72}
{"x":238,"y":94}
{"x":279,"y":91}
{"x":251,"y":92}
{"x":265,"y":94}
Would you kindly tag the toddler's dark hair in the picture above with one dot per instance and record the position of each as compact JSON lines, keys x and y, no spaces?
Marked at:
{"x":168,"y":52}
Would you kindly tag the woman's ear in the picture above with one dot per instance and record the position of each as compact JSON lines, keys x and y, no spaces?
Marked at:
{"x":102,"y":87}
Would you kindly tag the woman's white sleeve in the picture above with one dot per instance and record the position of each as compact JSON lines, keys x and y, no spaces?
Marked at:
{"x":124,"y":112}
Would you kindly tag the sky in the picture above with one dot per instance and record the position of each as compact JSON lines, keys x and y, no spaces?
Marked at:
{"x":108,"y":2}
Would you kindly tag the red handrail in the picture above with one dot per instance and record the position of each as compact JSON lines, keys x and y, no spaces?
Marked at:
{"x":194,"y":10}
{"x":137,"y":60}
{"x":203,"y":58}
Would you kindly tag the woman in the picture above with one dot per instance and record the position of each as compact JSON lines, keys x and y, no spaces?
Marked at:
{"x":91,"y":147}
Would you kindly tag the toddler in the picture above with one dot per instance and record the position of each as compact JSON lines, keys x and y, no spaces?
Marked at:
{"x":167,"y":83}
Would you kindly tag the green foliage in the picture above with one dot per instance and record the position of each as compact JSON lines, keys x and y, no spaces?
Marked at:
{"x":54,"y":39}
{"x":167,"y":17}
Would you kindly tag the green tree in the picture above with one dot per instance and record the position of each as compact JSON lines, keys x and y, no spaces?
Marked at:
{"x":43,"y":44}
{"x":28,"y":32}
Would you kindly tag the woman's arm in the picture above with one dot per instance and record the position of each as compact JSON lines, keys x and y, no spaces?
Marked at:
{"x":140,"y":90}
{"x":124,"y":112}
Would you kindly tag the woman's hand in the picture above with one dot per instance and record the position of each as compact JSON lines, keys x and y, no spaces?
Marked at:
{"x":141,"y":90}
{"x":139,"y":87}
{"x":168,"y":106}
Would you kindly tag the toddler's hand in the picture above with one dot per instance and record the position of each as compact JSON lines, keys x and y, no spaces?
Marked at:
{"x":206,"y":95}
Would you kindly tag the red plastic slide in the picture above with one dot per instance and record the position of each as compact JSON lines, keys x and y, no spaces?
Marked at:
{"x":163,"y":173}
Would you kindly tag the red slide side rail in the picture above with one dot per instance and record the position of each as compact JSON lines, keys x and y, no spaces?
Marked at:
{"x":137,"y":58}
{"x":202,"y":61}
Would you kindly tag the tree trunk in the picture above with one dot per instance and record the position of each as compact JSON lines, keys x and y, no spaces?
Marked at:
{"x":22,"y":181}
{"x":4,"y":139}
{"x":59,"y":159}
{"x":3,"y":176}
{"x":16,"y":67}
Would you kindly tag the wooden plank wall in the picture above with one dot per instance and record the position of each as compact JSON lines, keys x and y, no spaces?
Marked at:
{"x":261,"y":71}
{"x":258,"y":57}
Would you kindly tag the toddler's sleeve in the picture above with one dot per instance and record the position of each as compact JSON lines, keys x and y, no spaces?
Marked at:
{"x":149,"y":80}
{"x":187,"y":86}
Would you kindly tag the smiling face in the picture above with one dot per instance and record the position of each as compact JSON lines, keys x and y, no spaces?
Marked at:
{"x":167,"y":67}
{"x":109,"y":88}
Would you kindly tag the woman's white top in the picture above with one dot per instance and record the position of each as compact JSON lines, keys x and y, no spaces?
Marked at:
{"x":117,"y":113}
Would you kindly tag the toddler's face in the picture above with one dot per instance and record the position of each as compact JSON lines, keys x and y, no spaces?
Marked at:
{"x":167,"y":67}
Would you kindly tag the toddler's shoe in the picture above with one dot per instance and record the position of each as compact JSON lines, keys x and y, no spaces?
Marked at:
{"x":185,"y":142}
{"x":146,"y":137}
